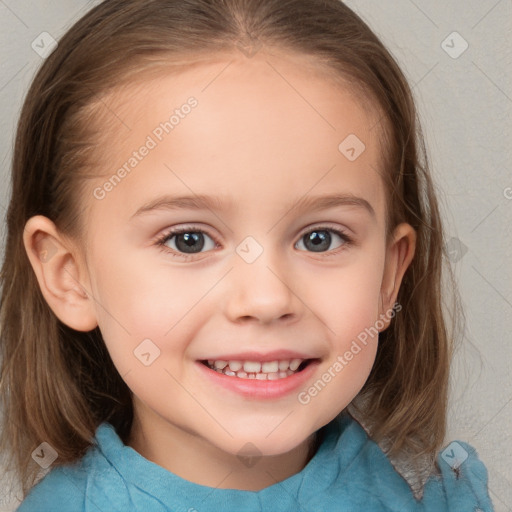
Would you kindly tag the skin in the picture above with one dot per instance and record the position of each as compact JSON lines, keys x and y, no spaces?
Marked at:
{"x":255,"y":140}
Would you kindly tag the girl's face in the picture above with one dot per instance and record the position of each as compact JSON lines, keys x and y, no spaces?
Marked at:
{"x":282,"y":270}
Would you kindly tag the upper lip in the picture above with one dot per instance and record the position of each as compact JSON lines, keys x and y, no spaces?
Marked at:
{"x":275,"y":355}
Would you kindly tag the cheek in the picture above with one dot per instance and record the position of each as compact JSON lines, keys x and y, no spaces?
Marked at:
{"x":347,"y":302}
{"x":349,"y":308}
{"x":347,"y":298}
{"x":136,"y":301}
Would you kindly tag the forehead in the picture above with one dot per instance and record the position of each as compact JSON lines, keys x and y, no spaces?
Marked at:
{"x":270,"y":124}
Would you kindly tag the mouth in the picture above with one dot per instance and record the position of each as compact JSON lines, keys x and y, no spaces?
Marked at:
{"x":259,"y":370}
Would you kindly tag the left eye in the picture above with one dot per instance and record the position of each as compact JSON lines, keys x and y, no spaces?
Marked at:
{"x":319,"y":239}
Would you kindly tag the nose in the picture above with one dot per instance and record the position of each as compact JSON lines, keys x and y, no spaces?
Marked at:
{"x":261,"y":291}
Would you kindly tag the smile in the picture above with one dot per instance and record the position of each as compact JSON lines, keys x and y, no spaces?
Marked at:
{"x":267,"y":370}
{"x":254,"y":376}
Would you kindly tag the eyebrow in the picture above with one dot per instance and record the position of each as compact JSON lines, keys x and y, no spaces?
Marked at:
{"x":222,"y":203}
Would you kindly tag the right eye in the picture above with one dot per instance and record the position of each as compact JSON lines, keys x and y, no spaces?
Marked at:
{"x":186,"y":241}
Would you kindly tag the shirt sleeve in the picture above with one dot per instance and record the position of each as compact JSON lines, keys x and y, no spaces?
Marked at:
{"x":465,"y":478}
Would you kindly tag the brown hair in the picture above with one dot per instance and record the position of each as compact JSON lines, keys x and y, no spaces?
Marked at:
{"x":57,"y":384}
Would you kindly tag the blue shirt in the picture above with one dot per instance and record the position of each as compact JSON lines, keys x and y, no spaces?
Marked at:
{"x":348,"y":473}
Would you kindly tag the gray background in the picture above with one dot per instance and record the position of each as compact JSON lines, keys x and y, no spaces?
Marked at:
{"x":465,"y":103}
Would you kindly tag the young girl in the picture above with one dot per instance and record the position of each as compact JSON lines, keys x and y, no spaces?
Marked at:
{"x":298,"y":358}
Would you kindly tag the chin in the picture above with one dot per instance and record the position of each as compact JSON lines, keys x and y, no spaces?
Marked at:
{"x":258,"y":443}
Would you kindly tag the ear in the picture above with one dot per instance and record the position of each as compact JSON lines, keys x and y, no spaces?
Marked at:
{"x":399,"y":255}
{"x":60,"y":273}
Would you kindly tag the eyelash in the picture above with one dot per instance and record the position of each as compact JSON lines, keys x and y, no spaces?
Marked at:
{"x":161,"y":241}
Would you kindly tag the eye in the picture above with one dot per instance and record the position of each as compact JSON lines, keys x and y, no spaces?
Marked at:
{"x":185,"y":241}
{"x":319,"y":239}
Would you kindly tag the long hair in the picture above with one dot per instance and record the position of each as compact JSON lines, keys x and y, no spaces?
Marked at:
{"x":57,"y":384}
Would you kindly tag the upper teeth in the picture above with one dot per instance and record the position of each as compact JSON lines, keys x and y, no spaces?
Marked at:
{"x":256,"y":366}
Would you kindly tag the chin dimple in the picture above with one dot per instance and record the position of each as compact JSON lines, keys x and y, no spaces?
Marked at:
{"x":267,"y":370}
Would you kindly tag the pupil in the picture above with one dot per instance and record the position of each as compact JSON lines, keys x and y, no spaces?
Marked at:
{"x":189,"y":241}
{"x":320,"y":239}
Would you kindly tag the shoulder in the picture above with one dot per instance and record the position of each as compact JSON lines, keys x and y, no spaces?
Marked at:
{"x":60,"y":489}
{"x":454,"y":479}
{"x":70,"y":487}
{"x":464,"y":478}
{"x":56,"y":491}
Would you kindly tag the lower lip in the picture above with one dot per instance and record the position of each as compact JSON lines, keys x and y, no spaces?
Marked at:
{"x":260,"y":389}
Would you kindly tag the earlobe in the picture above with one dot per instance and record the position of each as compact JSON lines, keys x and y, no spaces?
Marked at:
{"x":59,"y":273}
{"x":399,"y":256}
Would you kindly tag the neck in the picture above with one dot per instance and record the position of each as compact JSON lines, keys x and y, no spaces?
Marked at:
{"x":196,"y":460}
